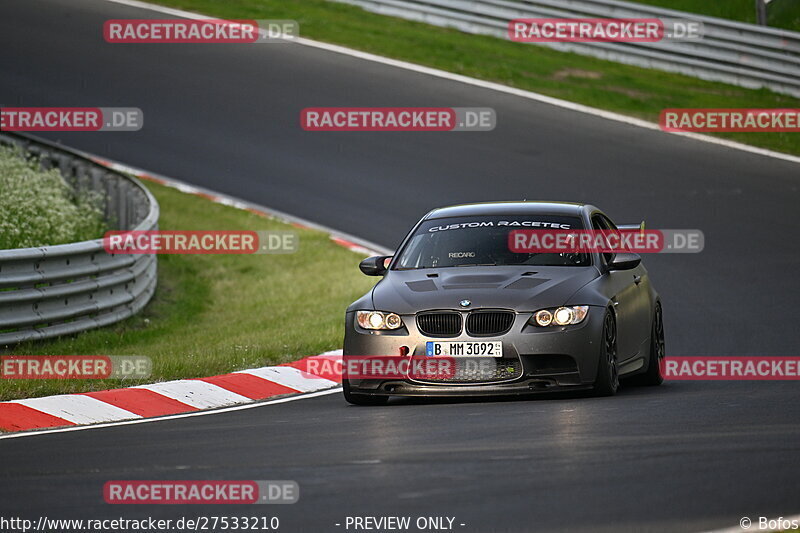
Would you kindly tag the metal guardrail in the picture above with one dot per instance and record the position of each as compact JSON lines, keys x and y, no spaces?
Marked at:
{"x":732,"y":52}
{"x":58,"y":290}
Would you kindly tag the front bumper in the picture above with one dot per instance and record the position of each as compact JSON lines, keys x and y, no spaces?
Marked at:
{"x":550,"y":359}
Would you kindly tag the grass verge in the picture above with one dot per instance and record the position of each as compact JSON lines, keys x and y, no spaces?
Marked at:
{"x":213,"y":314}
{"x":606,"y":85}
{"x":780,"y":13}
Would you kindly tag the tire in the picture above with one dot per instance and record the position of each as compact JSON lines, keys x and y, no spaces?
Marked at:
{"x":653,"y":375}
{"x":361,"y":399}
{"x":607,"y":381}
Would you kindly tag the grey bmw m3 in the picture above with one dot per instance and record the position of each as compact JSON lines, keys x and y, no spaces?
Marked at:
{"x":460,"y":312}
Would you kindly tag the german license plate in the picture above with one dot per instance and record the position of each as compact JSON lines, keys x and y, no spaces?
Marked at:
{"x":464,"y":349}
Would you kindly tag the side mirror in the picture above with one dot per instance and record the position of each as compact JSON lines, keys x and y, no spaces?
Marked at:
{"x":375,"y":266}
{"x":625,"y":261}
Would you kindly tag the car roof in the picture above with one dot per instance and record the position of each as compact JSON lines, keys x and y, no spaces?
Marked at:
{"x":508,"y":208}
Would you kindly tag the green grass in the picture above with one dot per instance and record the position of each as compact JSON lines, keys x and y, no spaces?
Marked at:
{"x":607,"y":85}
{"x":214,"y":314}
{"x":38,"y":208}
{"x":780,"y":13}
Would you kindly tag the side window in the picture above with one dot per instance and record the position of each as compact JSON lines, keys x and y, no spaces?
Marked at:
{"x":601,"y":223}
{"x":613,"y":227}
{"x":610,"y":225}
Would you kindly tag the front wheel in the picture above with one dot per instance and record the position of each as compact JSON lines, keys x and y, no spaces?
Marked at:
{"x":361,"y":399}
{"x":607,"y":381}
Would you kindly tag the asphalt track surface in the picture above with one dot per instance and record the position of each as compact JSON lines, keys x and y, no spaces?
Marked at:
{"x":685,"y":456}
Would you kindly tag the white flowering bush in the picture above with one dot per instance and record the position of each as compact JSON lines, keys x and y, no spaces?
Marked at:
{"x":38,"y":208}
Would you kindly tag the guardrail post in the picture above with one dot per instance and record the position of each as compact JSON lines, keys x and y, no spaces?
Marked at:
{"x":761,"y":12}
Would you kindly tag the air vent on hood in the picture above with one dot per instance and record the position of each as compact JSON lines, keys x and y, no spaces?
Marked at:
{"x":425,"y":285}
{"x":525,"y":283}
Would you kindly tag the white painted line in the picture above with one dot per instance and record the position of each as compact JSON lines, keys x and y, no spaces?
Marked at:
{"x":356,"y":248}
{"x":572,"y":106}
{"x":287,"y":399}
{"x":232,"y":201}
{"x":291,"y":377}
{"x":77,"y":408}
{"x":199,"y":394}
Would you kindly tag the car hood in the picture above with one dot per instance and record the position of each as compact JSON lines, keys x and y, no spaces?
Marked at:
{"x":525,"y":288}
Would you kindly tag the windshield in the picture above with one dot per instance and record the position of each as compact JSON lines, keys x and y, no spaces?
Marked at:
{"x":483,"y":240}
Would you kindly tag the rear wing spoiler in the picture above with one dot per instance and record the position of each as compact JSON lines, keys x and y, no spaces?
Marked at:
{"x":639,"y":226}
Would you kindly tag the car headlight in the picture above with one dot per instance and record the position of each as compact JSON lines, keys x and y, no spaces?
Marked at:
{"x":378,"y":320}
{"x":562,"y":316}
{"x":543,"y":317}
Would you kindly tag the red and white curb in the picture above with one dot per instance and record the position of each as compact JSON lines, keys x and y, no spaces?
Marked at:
{"x":173,"y":397}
